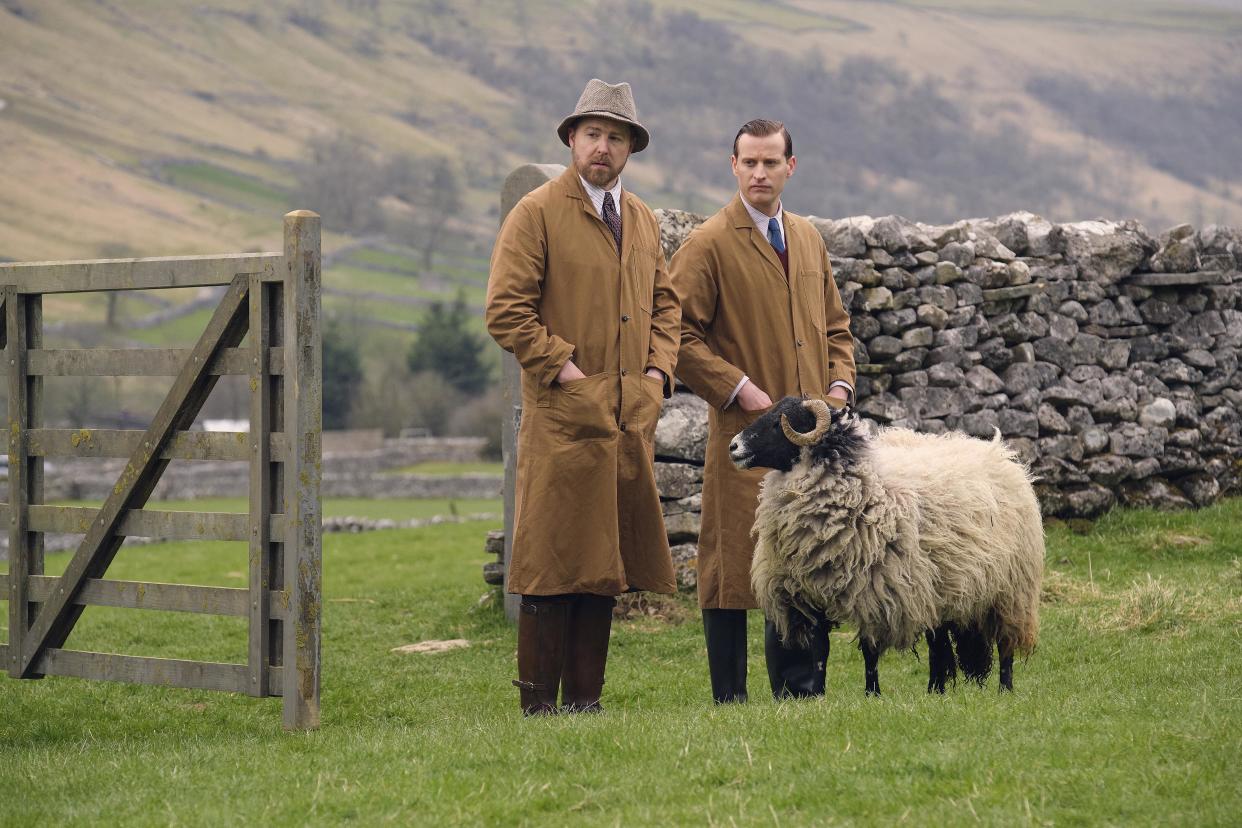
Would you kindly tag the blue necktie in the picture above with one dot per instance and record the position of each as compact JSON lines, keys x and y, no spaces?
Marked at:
{"x":774,"y":235}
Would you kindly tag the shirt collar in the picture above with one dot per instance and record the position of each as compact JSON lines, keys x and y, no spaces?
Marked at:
{"x":761,"y":221}
{"x":597,"y":195}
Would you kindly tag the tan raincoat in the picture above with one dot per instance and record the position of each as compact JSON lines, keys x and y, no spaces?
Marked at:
{"x":588,"y":514}
{"x":742,"y":316}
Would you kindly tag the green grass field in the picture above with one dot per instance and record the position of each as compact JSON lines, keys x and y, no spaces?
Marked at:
{"x":228,"y":186}
{"x":1127,"y":714}
{"x":778,"y":16}
{"x":1202,"y":16}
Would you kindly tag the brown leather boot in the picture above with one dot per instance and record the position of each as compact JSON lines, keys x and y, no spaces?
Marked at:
{"x":541,"y":652}
{"x":586,"y":653}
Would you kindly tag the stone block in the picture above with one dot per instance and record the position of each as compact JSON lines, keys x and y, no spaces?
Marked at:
{"x":917,"y":338}
{"x":1133,"y":440}
{"x":678,"y":480}
{"x":683,"y":527}
{"x":681,"y":433}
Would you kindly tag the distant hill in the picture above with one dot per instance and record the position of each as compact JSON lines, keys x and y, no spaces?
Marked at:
{"x":165,"y":127}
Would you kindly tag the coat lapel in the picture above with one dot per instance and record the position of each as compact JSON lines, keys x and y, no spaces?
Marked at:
{"x":743,"y":223}
{"x":795,"y":244}
{"x":574,"y":189}
{"x":629,"y":222}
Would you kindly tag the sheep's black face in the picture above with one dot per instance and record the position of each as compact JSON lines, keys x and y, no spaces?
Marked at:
{"x":764,"y":444}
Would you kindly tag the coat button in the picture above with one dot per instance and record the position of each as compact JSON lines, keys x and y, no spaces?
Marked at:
{"x":624,"y":372}
{"x":622,"y":426}
{"x":625,"y":317}
{"x":799,"y":343}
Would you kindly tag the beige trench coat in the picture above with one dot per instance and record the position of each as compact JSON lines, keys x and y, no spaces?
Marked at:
{"x":741,"y":316}
{"x":588,"y":513}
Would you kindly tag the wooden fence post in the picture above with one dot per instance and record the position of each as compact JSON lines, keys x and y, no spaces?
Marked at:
{"x":22,"y":561}
{"x":303,"y":427}
{"x":520,"y":182}
{"x":263,"y":388}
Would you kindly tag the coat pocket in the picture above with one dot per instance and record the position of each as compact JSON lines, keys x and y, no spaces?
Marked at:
{"x":582,"y":408}
{"x":734,"y":419}
{"x":811,"y":296}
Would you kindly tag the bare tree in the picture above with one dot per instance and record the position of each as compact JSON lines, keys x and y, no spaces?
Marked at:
{"x":435,"y":195}
{"x":445,"y":199}
{"x":344,"y":182}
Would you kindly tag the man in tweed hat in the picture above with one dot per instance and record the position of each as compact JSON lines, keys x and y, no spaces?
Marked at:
{"x":579,"y":294}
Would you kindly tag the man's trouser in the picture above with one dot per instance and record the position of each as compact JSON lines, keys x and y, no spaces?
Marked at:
{"x":793,"y":671}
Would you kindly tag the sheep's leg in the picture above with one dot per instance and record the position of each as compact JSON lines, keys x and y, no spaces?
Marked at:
{"x":796,"y":671}
{"x":942,"y":666}
{"x":974,"y":652}
{"x":871,"y":660}
{"x":1005,"y":647}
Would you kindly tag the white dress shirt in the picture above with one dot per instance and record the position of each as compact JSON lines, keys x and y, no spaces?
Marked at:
{"x":761,"y":224}
{"x":597,"y":196}
{"x":761,"y":221}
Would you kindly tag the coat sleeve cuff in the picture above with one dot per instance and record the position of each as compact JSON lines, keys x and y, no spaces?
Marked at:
{"x":560,"y":352}
{"x":849,"y":389}
{"x":724,"y":390}
{"x":669,"y":381}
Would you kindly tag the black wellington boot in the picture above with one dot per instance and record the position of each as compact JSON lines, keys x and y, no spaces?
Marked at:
{"x":586,"y":653}
{"x":725,"y":631}
{"x":541,"y":653}
{"x":797,"y":672}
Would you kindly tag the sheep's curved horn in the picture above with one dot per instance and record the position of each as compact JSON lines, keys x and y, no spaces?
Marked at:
{"x":823,"y":418}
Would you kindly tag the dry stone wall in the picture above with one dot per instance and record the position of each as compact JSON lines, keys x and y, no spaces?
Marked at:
{"x":1106,"y":356}
{"x":365,"y":473}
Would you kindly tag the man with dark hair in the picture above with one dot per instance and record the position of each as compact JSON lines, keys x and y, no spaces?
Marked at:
{"x":579,"y":294}
{"x":760,"y":128}
{"x":761,"y":319}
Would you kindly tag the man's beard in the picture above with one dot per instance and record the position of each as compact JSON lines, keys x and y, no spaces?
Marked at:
{"x":599,"y":176}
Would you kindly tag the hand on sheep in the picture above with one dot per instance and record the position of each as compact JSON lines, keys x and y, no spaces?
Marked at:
{"x":569,"y":371}
{"x":753,"y":398}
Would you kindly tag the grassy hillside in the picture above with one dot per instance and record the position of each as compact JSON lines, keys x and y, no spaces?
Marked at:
{"x":162,"y":127}
{"x":178,"y":127}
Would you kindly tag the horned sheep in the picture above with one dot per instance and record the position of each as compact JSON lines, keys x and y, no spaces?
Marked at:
{"x":904,"y":534}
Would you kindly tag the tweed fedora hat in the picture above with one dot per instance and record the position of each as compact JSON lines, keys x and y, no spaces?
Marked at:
{"x":607,"y":100}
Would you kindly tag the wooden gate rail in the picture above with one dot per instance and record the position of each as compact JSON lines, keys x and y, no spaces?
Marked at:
{"x":275,"y":299}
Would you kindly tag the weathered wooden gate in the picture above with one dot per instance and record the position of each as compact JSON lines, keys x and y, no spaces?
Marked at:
{"x":273,"y":297}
